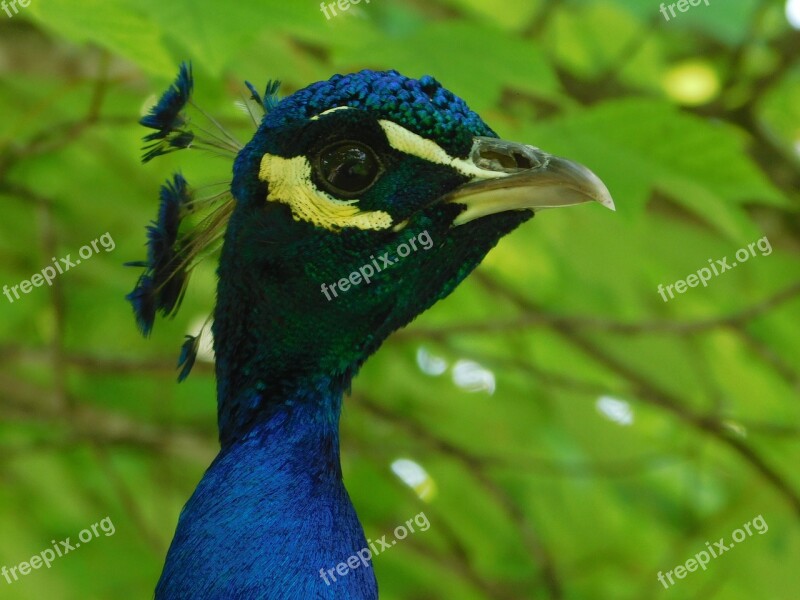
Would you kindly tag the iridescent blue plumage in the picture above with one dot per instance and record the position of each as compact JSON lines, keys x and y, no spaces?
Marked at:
{"x":421,"y":105}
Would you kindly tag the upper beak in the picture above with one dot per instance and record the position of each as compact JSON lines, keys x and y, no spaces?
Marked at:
{"x":517,"y":176}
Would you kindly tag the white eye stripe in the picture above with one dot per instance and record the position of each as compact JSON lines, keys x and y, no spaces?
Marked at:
{"x":408,"y":142}
{"x":289,"y":182}
{"x":329,"y":111}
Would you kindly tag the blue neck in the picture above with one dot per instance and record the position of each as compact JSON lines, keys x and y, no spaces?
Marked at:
{"x":270,"y":512}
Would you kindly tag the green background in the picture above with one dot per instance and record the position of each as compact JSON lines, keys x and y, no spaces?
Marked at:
{"x":534,"y":489}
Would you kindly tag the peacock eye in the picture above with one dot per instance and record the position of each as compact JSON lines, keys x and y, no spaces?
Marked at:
{"x":348,"y":169}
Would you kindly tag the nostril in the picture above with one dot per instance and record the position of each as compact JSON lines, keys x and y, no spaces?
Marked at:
{"x":506,"y":157}
{"x":492,"y":159}
{"x":522,"y":161}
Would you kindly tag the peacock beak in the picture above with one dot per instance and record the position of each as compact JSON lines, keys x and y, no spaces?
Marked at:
{"x":521,"y":177}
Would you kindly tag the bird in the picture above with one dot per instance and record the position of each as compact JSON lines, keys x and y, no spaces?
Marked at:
{"x":337,"y":176}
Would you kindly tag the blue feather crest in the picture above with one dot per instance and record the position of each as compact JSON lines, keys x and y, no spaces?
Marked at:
{"x":168,"y":115}
{"x":176,"y":199}
{"x":162,"y":285}
{"x":172,"y":253}
{"x":173,"y":125}
{"x":176,"y":140}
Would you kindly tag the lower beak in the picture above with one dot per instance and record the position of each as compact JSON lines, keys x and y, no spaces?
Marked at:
{"x":520,"y":177}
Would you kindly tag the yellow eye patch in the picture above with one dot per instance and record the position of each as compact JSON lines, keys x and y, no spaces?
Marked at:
{"x":289,"y":181}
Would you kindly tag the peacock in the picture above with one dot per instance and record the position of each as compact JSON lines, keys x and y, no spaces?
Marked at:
{"x":336,"y":176}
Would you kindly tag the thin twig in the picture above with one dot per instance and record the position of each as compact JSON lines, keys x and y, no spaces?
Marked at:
{"x":651,"y":393}
{"x":540,"y":318}
{"x":474,"y":464}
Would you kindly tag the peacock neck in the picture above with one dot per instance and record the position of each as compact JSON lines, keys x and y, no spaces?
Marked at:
{"x":300,"y":419}
{"x":299,"y":438}
{"x":269,"y":513}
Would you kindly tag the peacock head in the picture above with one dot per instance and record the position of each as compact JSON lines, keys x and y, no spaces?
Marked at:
{"x":359,"y":202}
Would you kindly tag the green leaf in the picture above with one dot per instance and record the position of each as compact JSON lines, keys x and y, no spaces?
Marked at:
{"x":515,"y":15}
{"x":111,"y":25}
{"x":580,"y":42}
{"x":728,"y":21}
{"x":211,"y":32}
{"x":637,"y":146}
{"x":459,"y":55}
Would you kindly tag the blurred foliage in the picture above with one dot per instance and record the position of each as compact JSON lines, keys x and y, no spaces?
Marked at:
{"x":620,"y":432}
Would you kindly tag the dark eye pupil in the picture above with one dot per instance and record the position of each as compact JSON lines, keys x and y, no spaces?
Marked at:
{"x":349,"y":167}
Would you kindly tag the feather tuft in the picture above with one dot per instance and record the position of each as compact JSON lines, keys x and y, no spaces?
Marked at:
{"x":143,"y":300}
{"x":169,"y":119}
{"x":171,"y":253}
{"x":176,"y":200}
{"x":176,"y":140}
{"x":270,"y":99}
{"x":163,"y":283}
{"x":167,"y":116}
{"x":188,"y":228}
{"x":254,"y":93}
{"x":188,"y":355}
{"x":271,"y":95}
